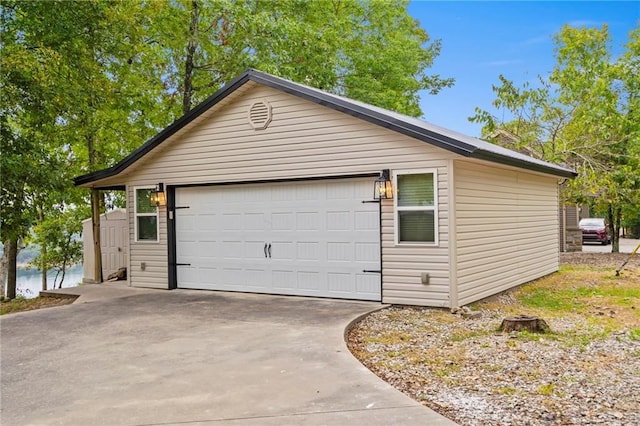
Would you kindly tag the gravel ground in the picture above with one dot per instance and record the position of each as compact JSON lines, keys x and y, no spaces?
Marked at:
{"x":604,"y":260}
{"x":461,"y":367}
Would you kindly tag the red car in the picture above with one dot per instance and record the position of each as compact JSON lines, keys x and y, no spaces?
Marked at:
{"x":595,"y":229}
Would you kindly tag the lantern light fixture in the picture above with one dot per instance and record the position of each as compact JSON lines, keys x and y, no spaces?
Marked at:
{"x":157,"y":197}
{"x":382,"y":187}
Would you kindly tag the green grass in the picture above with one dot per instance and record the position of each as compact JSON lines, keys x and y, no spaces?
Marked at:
{"x":579,"y":290}
{"x":506,"y":390}
{"x":546,"y":390}
{"x":20,"y":304}
{"x":553,"y":300}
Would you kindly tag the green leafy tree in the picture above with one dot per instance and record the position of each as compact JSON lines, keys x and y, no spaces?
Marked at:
{"x":26,"y":115}
{"x":585,"y":115}
{"x":86,"y":82}
{"x":78,"y":94}
{"x":58,"y":239}
{"x":371,"y":51}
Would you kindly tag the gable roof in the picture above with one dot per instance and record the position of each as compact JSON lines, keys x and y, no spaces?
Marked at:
{"x":413,"y":127}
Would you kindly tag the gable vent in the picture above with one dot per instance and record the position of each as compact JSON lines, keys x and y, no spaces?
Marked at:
{"x":260,"y":115}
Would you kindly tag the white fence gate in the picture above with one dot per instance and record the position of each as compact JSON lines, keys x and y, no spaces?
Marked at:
{"x":114,"y":239}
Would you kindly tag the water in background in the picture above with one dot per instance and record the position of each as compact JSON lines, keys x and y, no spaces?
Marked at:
{"x":29,"y":281}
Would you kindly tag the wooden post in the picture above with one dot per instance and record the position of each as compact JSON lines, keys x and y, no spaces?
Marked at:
{"x":97,"y":247}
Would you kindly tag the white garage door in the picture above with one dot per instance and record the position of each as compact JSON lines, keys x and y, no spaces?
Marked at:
{"x":314,"y":238}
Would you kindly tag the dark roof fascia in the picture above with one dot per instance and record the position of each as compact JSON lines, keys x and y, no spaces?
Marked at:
{"x":522,"y":164}
{"x":112,"y":187}
{"x":164,"y":134}
{"x":340,"y":104}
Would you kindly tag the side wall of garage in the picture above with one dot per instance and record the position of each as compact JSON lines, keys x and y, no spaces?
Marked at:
{"x":506,"y":226}
{"x":303,"y":140}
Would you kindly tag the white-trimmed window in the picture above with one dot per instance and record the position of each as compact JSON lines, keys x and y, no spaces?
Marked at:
{"x":146,"y":216}
{"x":416,"y":207}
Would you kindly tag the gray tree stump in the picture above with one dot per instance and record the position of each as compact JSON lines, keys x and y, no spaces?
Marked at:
{"x":524,"y":322}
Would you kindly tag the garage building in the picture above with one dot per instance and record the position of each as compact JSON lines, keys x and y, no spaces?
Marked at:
{"x":268,"y":187}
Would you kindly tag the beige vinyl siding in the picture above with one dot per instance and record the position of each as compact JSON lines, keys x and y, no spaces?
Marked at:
{"x":403,"y":264}
{"x":152,"y":253}
{"x":303,"y":140}
{"x":506,"y":227}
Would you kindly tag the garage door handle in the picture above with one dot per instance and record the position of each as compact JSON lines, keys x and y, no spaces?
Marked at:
{"x":269,"y":249}
{"x":265,"y":249}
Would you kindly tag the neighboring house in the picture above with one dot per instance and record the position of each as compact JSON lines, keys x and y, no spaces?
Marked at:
{"x":570,"y":233}
{"x":114,"y":240}
{"x":270,"y":189}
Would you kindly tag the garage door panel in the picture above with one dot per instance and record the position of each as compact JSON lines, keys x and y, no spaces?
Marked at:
{"x":338,"y":191}
{"x":232,"y":277}
{"x":191,"y":248}
{"x":340,"y":283}
{"x":254,"y":249}
{"x":309,"y":191}
{"x":367,"y":252}
{"x":194,"y":277}
{"x":284,"y":281}
{"x":367,"y":284}
{"x":283,"y":250}
{"x":233,"y":250}
{"x":232,"y":222}
{"x":307,"y":250}
{"x":366,"y":221}
{"x":340,"y":220}
{"x":309,"y":281}
{"x":283,"y":193}
{"x":255,"y":221}
{"x":340,"y":251}
{"x":209,"y":255}
{"x":282,"y":221}
{"x":321,"y":234}
{"x":187,"y":223}
{"x":307,"y":221}
{"x":254,"y":279}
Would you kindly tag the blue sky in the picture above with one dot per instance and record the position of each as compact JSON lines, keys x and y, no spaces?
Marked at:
{"x":482,"y":39}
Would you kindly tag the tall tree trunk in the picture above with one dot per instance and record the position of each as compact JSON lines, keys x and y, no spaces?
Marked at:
{"x":192,"y":45}
{"x":43,"y":268}
{"x":43,"y":254}
{"x":95,"y":221}
{"x":11,"y":248}
{"x":4,"y":264}
{"x":614,"y":216}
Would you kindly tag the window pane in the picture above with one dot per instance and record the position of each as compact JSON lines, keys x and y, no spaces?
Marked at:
{"x":147,"y":228}
{"x":415,"y":190}
{"x":416,"y":227}
{"x":143,"y":201}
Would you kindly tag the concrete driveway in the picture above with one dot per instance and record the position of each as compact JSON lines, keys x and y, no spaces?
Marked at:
{"x":627,"y":245}
{"x":147,"y":357}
